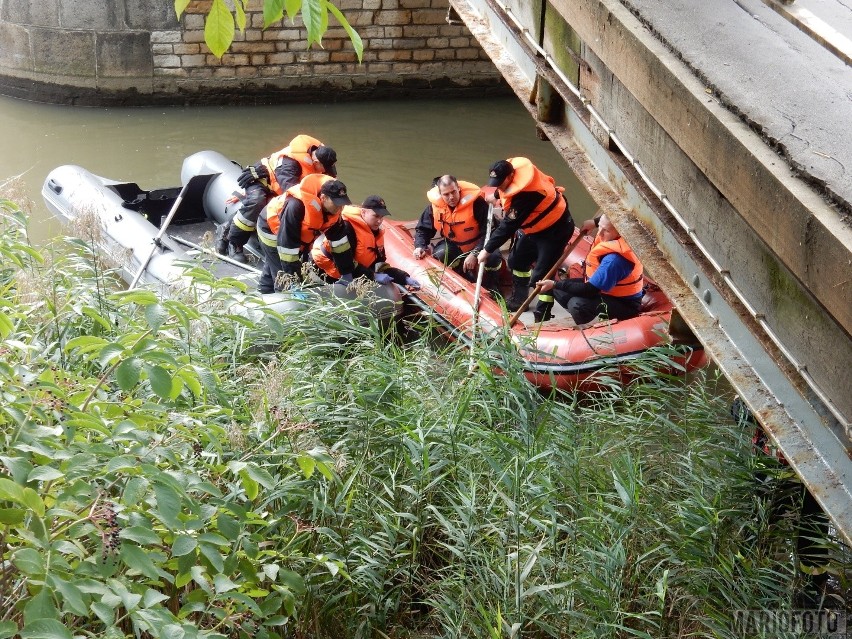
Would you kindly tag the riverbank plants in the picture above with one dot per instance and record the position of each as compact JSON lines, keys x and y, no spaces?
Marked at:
{"x":170,"y":470}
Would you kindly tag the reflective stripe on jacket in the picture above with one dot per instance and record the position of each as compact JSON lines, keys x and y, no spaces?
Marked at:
{"x":315,"y":221}
{"x":527,"y":177}
{"x":459,"y":224}
{"x":299,"y":150}
{"x":630,"y":285}
{"x":369,"y":245}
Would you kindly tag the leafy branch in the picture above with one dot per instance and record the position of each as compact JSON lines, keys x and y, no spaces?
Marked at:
{"x":221,"y":22}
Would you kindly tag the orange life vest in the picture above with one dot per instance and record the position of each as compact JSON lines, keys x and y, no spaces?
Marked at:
{"x":630,"y":285}
{"x":298,"y":150}
{"x":369,"y":245}
{"x":458,"y":225}
{"x":316,"y":221}
{"x":527,"y":177}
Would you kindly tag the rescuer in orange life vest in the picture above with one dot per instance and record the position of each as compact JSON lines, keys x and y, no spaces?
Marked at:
{"x":272,"y":176}
{"x":535,"y":211}
{"x":612,"y":283}
{"x":366,"y":237}
{"x":290,"y":223}
{"x":459,"y":213}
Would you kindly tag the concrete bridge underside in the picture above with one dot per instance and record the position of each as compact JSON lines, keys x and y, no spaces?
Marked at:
{"x":716,"y":136}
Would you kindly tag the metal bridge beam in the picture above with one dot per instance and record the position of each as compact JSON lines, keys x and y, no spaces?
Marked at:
{"x":794,"y":376}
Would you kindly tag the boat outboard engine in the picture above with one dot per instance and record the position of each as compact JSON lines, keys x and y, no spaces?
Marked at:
{"x":220,"y":189}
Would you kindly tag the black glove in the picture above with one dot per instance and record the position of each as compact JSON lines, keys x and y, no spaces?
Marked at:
{"x":256,"y":173}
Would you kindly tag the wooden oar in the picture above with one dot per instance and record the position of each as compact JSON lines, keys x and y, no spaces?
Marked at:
{"x":571,"y":246}
{"x":477,"y":292}
{"x":159,"y":237}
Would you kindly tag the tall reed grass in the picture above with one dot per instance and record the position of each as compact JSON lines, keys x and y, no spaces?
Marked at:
{"x":171,"y":470}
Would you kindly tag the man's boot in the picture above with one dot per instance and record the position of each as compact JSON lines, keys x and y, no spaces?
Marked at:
{"x":545,"y":305}
{"x":222,"y":238}
{"x":491,"y":282}
{"x":542,"y":311}
{"x":238,"y":255}
{"x":520,"y":290}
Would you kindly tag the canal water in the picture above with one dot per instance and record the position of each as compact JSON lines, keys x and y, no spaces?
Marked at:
{"x":390,"y":148}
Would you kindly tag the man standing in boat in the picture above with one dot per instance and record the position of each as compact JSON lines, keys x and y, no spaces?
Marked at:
{"x":366,"y":237}
{"x":272,"y":176}
{"x":459,"y":213}
{"x":535,"y":213}
{"x":612,"y":281}
{"x":290,"y":223}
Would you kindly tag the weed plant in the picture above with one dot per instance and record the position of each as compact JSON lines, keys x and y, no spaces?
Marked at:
{"x":171,"y":470}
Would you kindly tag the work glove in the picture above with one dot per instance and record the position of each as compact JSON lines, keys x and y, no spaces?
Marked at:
{"x":382,"y":278}
{"x":346,"y":279}
{"x":410,"y":281}
{"x":254,"y":173}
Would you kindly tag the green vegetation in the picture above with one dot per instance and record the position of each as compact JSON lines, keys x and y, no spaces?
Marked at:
{"x":221,"y":22}
{"x":167,"y":470}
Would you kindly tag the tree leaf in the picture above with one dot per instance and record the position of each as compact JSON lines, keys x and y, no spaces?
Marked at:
{"x":8,"y":629}
{"x":156,"y":315}
{"x":168,"y":505}
{"x":161,"y":381}
{"x":45,"y":629}
{"x":219,"y":28}
{"x":357,"y":43}
{"x":41,"y":606}
{"x":127,"y":373}
{"x":183,"y":545}
{"x":137,"y":559}
{"x":180,"y":7}
{"x":261,"y":476}
{"x":135,"y":490}
{"x":72,"y":598}
{"x":45,"y":473}
{"x":142,"y":535}
{"x":241,"y":15}
{"x":312,"y":12}
{"x":32,"y":501}
{"x":6,"y":326}
{"x":109,"y":353}
{"x":11,"y":491}
{"x":221,"y":583}
{"x":307,"y":464}
{"x":29,"y":561}
{"x":273,"y":11}
{"x":12,"y":516}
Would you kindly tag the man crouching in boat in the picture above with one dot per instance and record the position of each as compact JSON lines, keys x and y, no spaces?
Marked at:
{"x":290,"y":223}
{"x":611,"y":284}
{"x":459,"y":213}
{"x":535,"y":213}
{"x":272,"y":176}
{"x":366,"y":237}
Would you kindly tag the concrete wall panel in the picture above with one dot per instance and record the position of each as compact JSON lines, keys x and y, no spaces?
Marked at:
{"x":67,"y":53}
{"x":15,"y":52}
{"x":151,"y":14}
{"x":74,"y":14}
{"x":124,"y":55}
{"x":44,"y":13}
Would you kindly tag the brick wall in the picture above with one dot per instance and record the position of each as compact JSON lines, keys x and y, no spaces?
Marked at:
{"x":409,"y":49}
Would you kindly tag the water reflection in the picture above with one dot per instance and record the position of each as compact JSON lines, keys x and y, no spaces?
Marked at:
{"x":393,"y":148}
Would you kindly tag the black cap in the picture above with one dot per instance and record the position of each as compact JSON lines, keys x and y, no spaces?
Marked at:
{"x":336,"y":190}
{"x":499,"y":171}
{"x":376,"y":204}
{"x":328,"y":158}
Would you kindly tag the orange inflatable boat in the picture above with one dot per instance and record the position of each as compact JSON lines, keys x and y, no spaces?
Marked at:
{"x":555,"y":353}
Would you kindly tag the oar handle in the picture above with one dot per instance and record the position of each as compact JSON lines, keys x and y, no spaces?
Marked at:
{"x":571,"y":246}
